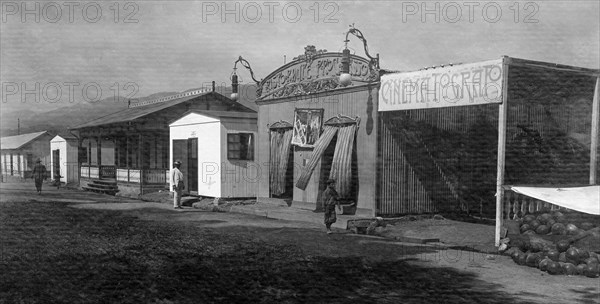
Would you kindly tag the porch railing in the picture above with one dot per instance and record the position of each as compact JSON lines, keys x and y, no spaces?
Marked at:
{"x":128,"y":175}
{"x":517,"y":205}
{"x":89,"y":172}
{"x":148,"y":176}
{"x":107,"y":171}
{"x":156,"y":176}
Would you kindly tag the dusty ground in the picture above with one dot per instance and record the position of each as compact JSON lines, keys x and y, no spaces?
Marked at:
{"x":68,"y":246}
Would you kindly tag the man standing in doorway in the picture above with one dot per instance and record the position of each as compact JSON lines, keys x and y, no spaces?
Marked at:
{"x":178,"y":185}
{"x":39,"y":175}
{"x":330,"y":200}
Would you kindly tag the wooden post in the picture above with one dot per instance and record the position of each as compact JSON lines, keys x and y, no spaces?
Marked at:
{"x":99,"y":153}
{"x":502,"y":115}
{"x":127,"y":158}
{"x":79,"y":146}
{"x":141,"y":163}
{"x":595,"y":134}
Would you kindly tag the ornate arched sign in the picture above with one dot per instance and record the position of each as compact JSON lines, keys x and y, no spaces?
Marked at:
{"x":313,"y":72}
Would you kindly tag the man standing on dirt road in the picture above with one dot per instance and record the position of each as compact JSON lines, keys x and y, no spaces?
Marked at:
{"x":178,"y":185}
{"x":39,"y":175}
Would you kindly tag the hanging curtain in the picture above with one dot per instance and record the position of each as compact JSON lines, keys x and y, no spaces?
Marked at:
{"x":320,"y":146}
{"x":341,"y":168}
{"x":280,"y":147}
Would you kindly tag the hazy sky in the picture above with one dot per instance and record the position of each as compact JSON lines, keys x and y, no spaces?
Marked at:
{"x":177,"y":45}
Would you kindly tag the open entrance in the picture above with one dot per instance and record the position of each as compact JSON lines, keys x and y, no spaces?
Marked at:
{"x":186,"y":151}
{"x":192,"y":160}
{"x":335,"y":150}
{"x":339,"y":161}
{"x":56,"y":163}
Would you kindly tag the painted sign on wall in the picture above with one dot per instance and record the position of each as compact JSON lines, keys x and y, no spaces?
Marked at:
{"x":313,"y":74}
{"x":450,"y":86}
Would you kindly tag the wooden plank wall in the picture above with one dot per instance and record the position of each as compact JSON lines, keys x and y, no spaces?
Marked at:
{"x":238,"y":178}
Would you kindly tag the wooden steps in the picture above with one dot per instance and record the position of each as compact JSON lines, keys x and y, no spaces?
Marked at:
{"x":102,"y":186}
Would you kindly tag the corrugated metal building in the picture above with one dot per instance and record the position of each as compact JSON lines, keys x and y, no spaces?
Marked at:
{"x":434,"y":148}
{"x":311,"y":129}
{"x":452,"y":136}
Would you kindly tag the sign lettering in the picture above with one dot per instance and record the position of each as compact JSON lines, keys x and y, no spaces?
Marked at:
{"x":317,"y":74}
{"x":451,"y":86}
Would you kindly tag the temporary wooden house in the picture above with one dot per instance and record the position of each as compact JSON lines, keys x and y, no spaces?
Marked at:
{"x":18,"y":153}
{"x":127,"y":153}
{"x":64,"y":158}
{"x":217,"y":151}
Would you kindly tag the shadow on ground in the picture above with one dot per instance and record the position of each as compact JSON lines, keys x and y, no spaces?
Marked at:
{"x":54,"y":254}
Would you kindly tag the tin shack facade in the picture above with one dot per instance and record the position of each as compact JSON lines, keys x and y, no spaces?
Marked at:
{"x":426,"y":141}
{"x":311,"y":129}
{"x":451,"y":137}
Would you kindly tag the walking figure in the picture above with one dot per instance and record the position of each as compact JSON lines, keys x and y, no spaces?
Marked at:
{"x":330,"y":200}
{"x":39,"y":175}
{"x":178,"y":185}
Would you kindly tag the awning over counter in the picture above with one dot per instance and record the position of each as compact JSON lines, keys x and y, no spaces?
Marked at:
{"x":583,"y":199}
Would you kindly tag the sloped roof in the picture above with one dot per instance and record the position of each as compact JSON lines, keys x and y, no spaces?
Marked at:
{"x":134,"y":113}
{"x":216,"y":115}
{"x":63,"y":137}
{"x":18,"y":141}
{"x":222,"y":114}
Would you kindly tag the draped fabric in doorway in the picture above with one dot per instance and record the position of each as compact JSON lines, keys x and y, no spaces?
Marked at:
{"x":341,"y":169}
{"x":320,"y":146}
{"x":280,"y":147}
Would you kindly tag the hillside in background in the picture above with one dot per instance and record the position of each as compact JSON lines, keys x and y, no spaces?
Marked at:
{"x":57,"y":119}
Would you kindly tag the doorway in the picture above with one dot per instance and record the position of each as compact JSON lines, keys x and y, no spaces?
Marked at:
{"x":192,"y":160}
{"x":56,"y":163}
{"x":186,"y":151}
{"x":326,"y":164}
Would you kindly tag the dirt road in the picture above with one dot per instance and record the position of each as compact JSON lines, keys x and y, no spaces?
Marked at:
{"x":274,"y":260}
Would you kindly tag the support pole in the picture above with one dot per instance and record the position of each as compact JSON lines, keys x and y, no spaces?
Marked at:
{"x":595,"y":135}
{"x":90,"y":157}
{"x":141,"y":163}
{"x":502,"y":115}
{"x":79,"y":146}
{"x":99,"y":152}
{"x":128,"y":157}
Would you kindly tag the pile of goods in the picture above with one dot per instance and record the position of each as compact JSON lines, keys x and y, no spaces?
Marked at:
{"x":548,"y":244}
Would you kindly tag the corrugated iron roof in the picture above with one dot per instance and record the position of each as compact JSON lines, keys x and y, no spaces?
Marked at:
{"x":18,"y":141}
{"x":221,"y":114}
{"x":217,"y":114}
{"x":134,"y":113}
{"x":63,"y":137}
